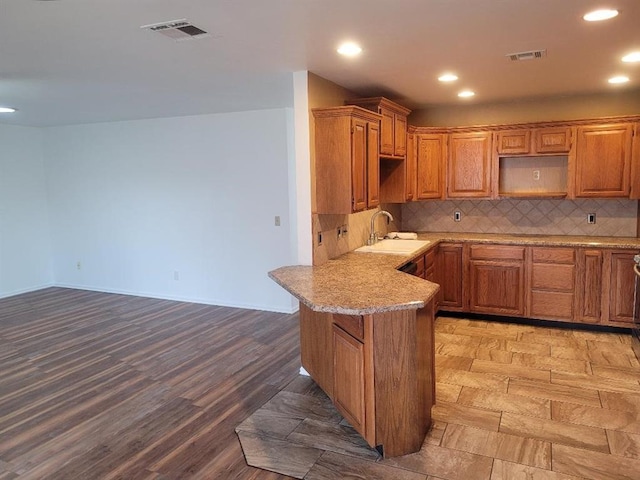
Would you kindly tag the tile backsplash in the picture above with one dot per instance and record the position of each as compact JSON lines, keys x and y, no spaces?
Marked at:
{"x":358,"y":226}
{"x":614,"y":217}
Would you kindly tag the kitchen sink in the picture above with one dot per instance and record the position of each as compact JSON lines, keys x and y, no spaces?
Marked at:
{"x":394,"y":246}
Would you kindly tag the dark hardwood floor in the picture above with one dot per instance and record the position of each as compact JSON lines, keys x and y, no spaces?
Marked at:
{"x":103,"y":386}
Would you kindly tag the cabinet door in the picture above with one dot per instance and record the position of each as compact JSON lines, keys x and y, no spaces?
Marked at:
{"x":621,"y":288}
{"x":635,"y":163}
{"x":348,"y":386}
{"x":496,"y":287}
{"x":448,"y":274}
{"x":387,"y":128}
{"x":430,"y":164}
{"x":468,"y":172}
{"x":552,"y":140}
{"x":359,"y":161}
{"x":514,"y":142}
{"x":589,"y":286}
{"x":373,"y":165}
{"x":410,"y":189}
{"x":399,"y":135}
{"x":603,"y":160}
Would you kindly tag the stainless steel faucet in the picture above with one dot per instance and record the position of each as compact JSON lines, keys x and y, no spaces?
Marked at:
{"x":373,"y":236}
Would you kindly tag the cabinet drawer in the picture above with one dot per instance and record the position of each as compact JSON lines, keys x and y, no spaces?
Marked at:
{"x":553,"y":277}
{"x":496,"y":252}
{"x":554,"y":305}
{"x":352,"y":324}
{"x":553,"y":255}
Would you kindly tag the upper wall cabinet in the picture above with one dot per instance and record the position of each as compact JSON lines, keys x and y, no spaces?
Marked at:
{"x":469,"y":165}
{"x":635,"y":163}
{"x":431,"y":151}
{"x":346,"y":156}
{"x":393,"y":126}
{"x":534,"y":141}
{"x":603,"y":160}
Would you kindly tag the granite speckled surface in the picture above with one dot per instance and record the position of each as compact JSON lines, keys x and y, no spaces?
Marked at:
{"x":365,"y":283}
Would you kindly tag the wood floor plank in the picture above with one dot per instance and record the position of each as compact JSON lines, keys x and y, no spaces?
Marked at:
{"x":88,"y":385}
{"x":97,"y":385}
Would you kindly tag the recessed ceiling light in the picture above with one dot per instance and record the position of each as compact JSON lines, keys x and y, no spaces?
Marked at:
{"x":619,"y":79}
{"x":632,"y":57}
{"x":349,"y":49}
{"x":599,"y":15}
{"x":466,"y":94}
{"x":7,"y":110}
{"x":448,"y":77}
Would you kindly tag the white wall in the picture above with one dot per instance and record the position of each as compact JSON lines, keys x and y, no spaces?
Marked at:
{"x":24,"y":234}
{"x":134,"y":202}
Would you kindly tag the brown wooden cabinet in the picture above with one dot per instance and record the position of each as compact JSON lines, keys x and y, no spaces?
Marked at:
{"x":552,"y":278}
{"x":603,"y":160}
{"x":534,"y":141}
{"x":349,"y":379}
{"x":378,"y":369}
{"x":469,"y":165}
{"x":346,"y":156}
{"x":411,"y":167}
{"x":496,"y":279}
{"x":431,"y":150}
{"x":589,"y":285}
{"x":619,"y":279}
{"x":393,"y":126}
{"x":552,"y":140}
{"x":449,"y":275}
{"x":635,"y":163}
{"x":398,"y":176}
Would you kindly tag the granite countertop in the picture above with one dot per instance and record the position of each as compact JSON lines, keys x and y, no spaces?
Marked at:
{"x":365,"y":283}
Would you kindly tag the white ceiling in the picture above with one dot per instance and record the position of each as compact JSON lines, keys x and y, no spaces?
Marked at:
{"x":81,"y":61}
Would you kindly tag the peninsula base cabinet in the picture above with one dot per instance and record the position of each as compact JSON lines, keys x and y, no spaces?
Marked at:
{"x":379,"y":371}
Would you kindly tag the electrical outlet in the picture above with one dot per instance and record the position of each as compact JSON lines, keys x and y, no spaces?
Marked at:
{"x":536,"y":174}
{"x":591,"y":218}
{"x":457,"y":216}
{"x":277,"y":220}
{"x":78,"y":265}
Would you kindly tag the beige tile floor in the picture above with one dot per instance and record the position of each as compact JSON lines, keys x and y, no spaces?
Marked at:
{"x":513,"y":402}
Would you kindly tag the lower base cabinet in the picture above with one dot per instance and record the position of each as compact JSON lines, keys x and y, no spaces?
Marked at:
{"x":449,"y":275}
{"x":621,"y":283}
{"x":496,"y":277}
{"x":567,"y":284}
{"x":379,"y":370}
{"x":349,"y":379}
{"x":552,"y":280}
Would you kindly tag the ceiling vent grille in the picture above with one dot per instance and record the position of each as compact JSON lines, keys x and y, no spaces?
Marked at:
{"x":531,"y":55}
{"x":178,"y":30}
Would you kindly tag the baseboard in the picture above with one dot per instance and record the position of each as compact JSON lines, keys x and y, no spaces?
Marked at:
{"x":176,"y":298}
{"x":26,"y":290}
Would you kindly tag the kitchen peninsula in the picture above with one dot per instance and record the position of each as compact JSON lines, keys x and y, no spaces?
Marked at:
{"x":366,"y":338}
{"x":366,"y":329}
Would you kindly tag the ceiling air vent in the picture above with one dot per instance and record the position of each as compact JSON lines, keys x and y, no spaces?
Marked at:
{"x":531,"y":55}
{"x":178,"y":30}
